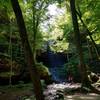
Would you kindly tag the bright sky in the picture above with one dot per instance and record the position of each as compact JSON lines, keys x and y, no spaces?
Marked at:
{"x":53,"y":11}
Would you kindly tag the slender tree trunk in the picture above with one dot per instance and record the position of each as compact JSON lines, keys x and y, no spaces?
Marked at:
{"x":28,"y":52}
{"x":90,"y":51}
{"x":10,"y":53}
{"x":82,"y":66}
{"x":89,"y":34}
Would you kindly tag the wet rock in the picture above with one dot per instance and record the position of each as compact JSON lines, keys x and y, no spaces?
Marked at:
{"x":57,"y":91}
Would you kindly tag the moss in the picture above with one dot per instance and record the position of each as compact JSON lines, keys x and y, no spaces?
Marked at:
{"x":42,"y":70}
{"x":44,"y":73}
{"x":6,"y":74}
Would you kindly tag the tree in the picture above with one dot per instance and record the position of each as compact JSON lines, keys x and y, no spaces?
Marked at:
{"x":27,"y":50}
{"x":82,"y":66}
{"x":78,"y":42}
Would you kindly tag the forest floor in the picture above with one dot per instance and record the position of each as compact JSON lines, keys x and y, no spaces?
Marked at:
{"x":63,"y":91}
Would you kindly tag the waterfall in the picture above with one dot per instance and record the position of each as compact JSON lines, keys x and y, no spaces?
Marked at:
{"x":55,"y":62}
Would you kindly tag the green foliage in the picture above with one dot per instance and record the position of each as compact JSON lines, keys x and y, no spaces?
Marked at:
{"x":34,"y":13}
{"x":72,"y":65}
{"x":89,"y":11}
{"x":7,"y":74}
{"x":59,"y":33}
{"x":2,"y":39}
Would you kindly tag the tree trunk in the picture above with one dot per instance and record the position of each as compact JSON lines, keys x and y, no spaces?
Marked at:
{"x":28,"y":52}
{"x":90,"y":51}
{"x":82,"y":66}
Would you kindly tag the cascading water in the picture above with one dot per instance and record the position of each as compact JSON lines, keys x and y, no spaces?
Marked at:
{"x":55,"y":61}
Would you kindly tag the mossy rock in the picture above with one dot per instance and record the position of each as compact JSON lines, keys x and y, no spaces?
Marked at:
{"x":5,"y":66}
{"x":44,"y":73}
{"x":7,"y":74}
{"x":42,"y":70}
